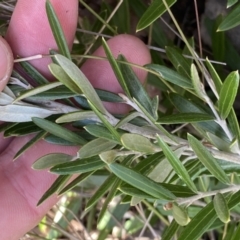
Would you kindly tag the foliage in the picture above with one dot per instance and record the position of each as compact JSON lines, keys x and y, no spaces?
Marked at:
{"x":178,"y":156}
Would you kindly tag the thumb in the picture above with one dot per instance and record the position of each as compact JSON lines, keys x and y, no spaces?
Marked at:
{"x":6,"y":63}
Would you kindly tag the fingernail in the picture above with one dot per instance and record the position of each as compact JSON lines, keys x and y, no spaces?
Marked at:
{"x":6,"y":62}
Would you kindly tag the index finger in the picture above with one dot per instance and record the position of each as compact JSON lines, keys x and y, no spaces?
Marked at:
{"x":6,"y":63}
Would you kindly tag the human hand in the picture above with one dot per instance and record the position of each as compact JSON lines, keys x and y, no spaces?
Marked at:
{"x":29,"y":34}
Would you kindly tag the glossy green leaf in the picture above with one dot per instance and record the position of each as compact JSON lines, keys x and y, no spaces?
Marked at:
{"x":232,"y":20}
{"x":199,"y":224}
{"x":236,"y":234}
{"x":50,"y":138}
{"x":21,"y":129}
{"x":75,"y":182}
{"x":204,"y":219}
{"x":176,"y":164}
{"x":34,"y":73}
{"x":100,"y":192}
{"x":127,"y":119}
{"x":207,"y":159}
{"x":95,"y":147}
{"x":78,"y":166}
{"x":132,"y":191}
{"x":170,"y":75}
{"x":154,"y":11}
{"x":61,"y":92}
{"x":178,"y":60}
{"x":100,"y":132}
{"x":141,"y":182}
{"x":215,"y":77}
{"x":81,"y":81}
{"x":178,"y":190}
{"x":106,"y":123}
{"x":230,"y":3}
{"x":136,"y":142}
{"x":233,"y":123}
{"x":30,"y":143}
{"x":228,"y":94}
{"x":170,"y":231}
{"x":63,"y":78}
{"x":76,"y":116}
{"x":109,"y":198}
{"x":58,"y":183}
{"x":115,"y":68}
{"x":185,"y":118}
{"x":57,"y":30}
{"x":51,"y":160}
{"x":221,"y":208}
{"x":180,"y":215}
{"x":135,"y":87}
{"x":34,"y":91}
{"x":58,"y":131}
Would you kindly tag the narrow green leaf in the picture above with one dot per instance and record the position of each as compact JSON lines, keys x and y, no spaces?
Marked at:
{"x":233,"y":123}
{"x":154,"y":11}
{"x":236,"y":234}
{"x":232,"y":20}
{"x":100,"y":132}
{"x":176,"y":164}
{"x":36,"y":90}
{"x":75,"y":182}
{"x":30,"y":143}
{"x":58,"y":183}
{"x":100,"y":192}
{"x":215,"y":77}
{"x":207,"y":160}
{"x":221,"y":208}
{"x":134,"y":192}
{"x":57,"y":30}
{"x":63,"y":78}
{"x":178,"y":190}
{"x":51,"y":160}
{"x":78,"y":166}
{"x":170,"y":75}
{"x":32,"y":71}
{"x":180,"y":215}
{"x":136,"y":142}
{"x":109,"y":198}
{"x":76,"y":116}
{"x":185,"y":118}
{"x":95,"y":147}
{"x":106,"y":123}
{"x":58,"y":131}
{"x":230,"y":3}
{"x":228,"y":94}
{"x":81,"y":81}
{"x":204,"y":219}
{"x":199,"y":224}
{"x":170,"y":231}
{"x":135,"y":87}
{"x":115,"y":68}
{"x":178,"y":60}
{"x":141,"y":182}
{"x":127,"y":119}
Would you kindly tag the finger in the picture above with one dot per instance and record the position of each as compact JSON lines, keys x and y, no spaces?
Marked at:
{"x":29,"y":32}
{"x":22,"y":187}
{"x":100,"y":73}
{"x":6,"y":63}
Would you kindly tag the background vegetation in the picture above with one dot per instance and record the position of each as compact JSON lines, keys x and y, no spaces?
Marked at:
{"x":170,"y":168}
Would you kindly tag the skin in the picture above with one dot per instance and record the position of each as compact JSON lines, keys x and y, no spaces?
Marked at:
{"x":29,"y":34}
